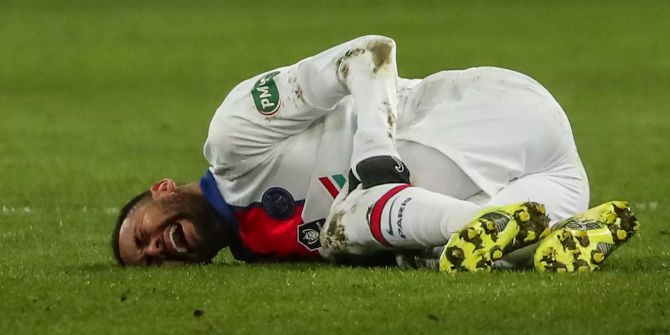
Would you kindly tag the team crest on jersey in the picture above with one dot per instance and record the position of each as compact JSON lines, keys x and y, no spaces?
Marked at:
{"x":308,"y":234}
{"x":278,"y":203}
{"x":266,"y":94}
{"x":333,"y":184}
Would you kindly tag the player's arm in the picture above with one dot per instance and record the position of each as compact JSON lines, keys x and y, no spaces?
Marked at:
{"x":259,"y":114}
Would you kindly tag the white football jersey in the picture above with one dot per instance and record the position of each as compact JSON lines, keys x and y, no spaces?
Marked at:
{"x":292,"y":128}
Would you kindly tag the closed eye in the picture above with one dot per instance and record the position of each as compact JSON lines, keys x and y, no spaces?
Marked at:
{"x":140,"y":239}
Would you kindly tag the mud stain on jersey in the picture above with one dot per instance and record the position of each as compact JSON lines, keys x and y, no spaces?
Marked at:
{"x":298,"y":94}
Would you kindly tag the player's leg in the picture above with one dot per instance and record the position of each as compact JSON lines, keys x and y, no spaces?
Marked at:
{"x":376,"y":167}
{"x":392,"y":216}
{"x":376,"y":170}
{"x":583,"y":241}
{"x":431,"y":170}
{"x":434,"y":171}
{"x":404,"y":218}
{"x":580,"y":239}
{"x":562,"y":193}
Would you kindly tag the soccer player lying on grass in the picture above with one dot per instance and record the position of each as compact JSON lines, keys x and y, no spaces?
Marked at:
{"x":311,"y":161}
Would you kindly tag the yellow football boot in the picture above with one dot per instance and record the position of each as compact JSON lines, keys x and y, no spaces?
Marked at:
{"x":583,"y":241}
{"x":495,"y":232}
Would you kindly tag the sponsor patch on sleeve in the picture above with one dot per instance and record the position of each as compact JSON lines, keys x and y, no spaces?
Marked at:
{"x":266,"y":94}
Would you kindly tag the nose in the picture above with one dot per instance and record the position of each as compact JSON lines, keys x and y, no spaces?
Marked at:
{"x":154,"y":248}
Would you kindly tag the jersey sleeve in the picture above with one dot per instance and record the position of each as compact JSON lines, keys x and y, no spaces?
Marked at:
{"x":259,"y":115}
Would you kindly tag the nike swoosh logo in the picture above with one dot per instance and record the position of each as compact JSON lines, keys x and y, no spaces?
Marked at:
{"x":400,"y":167}
{"x":389,"y":230}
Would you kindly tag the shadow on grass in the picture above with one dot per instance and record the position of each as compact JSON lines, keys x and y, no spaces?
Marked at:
{"x":109,"y":267}
{"x":639,"y":264}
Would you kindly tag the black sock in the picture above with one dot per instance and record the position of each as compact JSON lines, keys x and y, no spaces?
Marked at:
{"x":379,"y":170}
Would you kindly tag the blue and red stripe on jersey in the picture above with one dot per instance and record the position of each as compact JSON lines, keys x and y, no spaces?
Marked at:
{"x":255,"y":234}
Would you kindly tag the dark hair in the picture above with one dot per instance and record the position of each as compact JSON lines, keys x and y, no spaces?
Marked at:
{"x":119,"y":221}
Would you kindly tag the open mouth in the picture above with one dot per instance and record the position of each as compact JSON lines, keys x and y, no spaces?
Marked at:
{"x":177,"y":239}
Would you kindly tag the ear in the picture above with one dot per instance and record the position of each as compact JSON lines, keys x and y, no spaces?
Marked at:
{"x":163,"y":188}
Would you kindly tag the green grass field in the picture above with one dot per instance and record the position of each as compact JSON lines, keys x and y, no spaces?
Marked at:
{"x":100,"y":98}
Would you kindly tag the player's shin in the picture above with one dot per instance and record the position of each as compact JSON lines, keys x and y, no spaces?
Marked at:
{"x":415,"y":218}
{"x":393,"y":217}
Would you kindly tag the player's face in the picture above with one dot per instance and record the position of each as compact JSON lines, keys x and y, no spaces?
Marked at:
{"x":174,"y":225}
